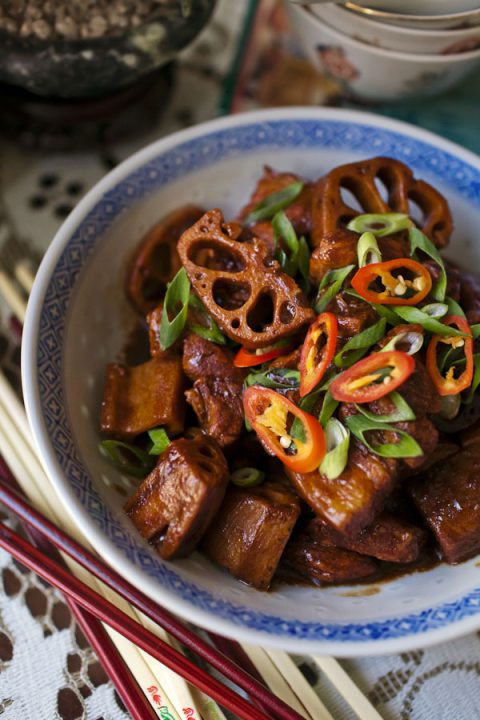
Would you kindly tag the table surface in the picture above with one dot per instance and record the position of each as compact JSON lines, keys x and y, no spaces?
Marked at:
{"x":47,"y":670}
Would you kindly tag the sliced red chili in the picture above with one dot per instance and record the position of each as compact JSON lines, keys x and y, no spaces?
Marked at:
{"x":318,"y":351}
{"x":373,"y":377}
{"x":248,"y":358}
{"x":448,"y":384}
{"x":410,"y":284}
{"x":271,"y":415}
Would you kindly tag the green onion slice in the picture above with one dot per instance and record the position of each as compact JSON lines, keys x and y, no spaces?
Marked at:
{"x":381,"y":310}
{"x":304,"y":264}
{"x":368,"y":250}
{"x":359,"y":344}
{"x":416,"y":315}
{"x":338,"y":441}
{"x":270,"y":205}
{"x":435,"y":310}
{"x":160,"y":441}
{"x":176,"y":304}
{"x":475,"y":379}
{"x":281,"y":378}
{"x":247,"y":477}
{"x":402,"y":413}
{"x":453,"y":308}
{"x":296,"y":257}
{"x":450,"y":406}
{"x":328,"y":408}
{"x":475,"y":331}
{"x":419,"y":241}
{"x":380,"y":224}
{"x":128,"y":458}
{"x":209,"y":331}
{"x":406,"y":447}
{"x":331,"y":283}
{"x":410,"y":341}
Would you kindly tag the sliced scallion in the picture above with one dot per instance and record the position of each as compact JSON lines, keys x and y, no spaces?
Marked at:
{"x":176,"y":304}
{"x":270,"y":205}
{"x":247,"y":477}
{"x":329,"y":406}
{"x":330,"y":285}
{"x":128,"y":458}
{"x":453,"y":308}
{"x":435,"y":310}
{"x":402,"y":413}
{"x":406,"y":447}
{"x":359,"y":344}
{"x":419,"y":241}
{"x":416,"y":315}
{"x":381,"y":310}
{"x":368,"y":250}
{"x":281,"y":379}
{"x":380,"y":224}
{"x":160,"y":441}
{"x":337,"y":438}
{"x":209,"y":331}
{"x":293,"y":253}
{"x":410,"y":341}
{"x":475,"y":379}
{"x":475,"y":331}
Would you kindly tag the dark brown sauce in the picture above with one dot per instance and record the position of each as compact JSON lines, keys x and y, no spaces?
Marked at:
{"x":387,"y":572}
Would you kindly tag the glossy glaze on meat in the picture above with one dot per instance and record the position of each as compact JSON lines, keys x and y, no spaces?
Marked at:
{"x":379,"y":511}
{"x":176,"y":503}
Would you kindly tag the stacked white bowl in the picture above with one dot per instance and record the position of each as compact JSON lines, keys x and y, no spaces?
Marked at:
{"x":391,"y":49}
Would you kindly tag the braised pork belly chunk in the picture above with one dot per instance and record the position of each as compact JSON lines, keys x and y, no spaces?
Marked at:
{"x":139,"y":398}
{"x":448,"y":498}
{"x":323,"y":563}
{"x":251,"y":531}
{"x":216,"y":396}
{"x":176,"y":503}
{"x":350,"y":501}
{"x":308,"y":403}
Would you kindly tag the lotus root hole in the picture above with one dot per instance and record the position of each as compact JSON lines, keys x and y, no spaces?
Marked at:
{"x":348,"y":195}
{"x":261,"y":314}
{"x":235,"y":323}
{"x":287,"y":312}
{"x":415,"y":210}
{"x":230,"y":294}
{"x":214,"y":256}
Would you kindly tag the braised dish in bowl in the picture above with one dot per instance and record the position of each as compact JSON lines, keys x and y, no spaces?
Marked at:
{"x":275,"y":377}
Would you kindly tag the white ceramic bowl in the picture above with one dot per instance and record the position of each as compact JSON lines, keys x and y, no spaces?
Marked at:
{"x":373,"y":73}
{"x":394,"y":37}
{"x":77,"y":320}
{"x":421,"y":7}
{"x":450,"y":20}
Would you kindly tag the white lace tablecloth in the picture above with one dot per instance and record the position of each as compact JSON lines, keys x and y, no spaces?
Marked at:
{"x":47,"y":670}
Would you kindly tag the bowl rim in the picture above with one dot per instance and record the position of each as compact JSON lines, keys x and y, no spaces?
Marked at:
{"x":464,"y":15}
{"x":413,"y":58}
{"x":80,"y":516}
{"x":400,"y":29}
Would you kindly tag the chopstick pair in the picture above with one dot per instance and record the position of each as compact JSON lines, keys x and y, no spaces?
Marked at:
{"x":82,"y":556}
{"x":134,"y":699}
{"x":267,"y":668}
{"x":274,"y":668}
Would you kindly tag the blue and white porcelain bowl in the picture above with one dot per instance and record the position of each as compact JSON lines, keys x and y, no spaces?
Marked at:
{"x":77,"y":321}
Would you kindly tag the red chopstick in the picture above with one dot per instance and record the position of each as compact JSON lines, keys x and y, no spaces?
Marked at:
{"x":56,"y":575}
{"x":278,"y":709}
{"x":132,"y":695}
